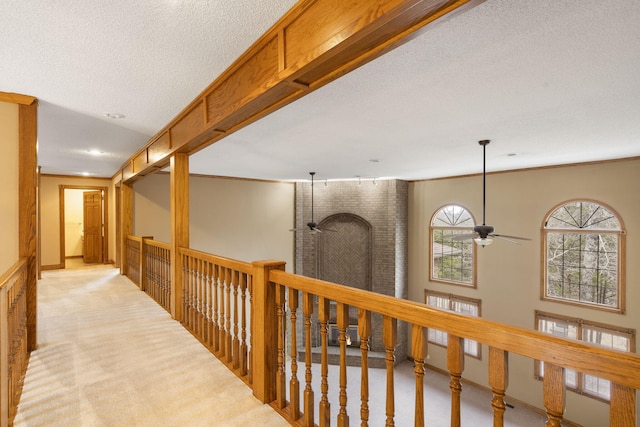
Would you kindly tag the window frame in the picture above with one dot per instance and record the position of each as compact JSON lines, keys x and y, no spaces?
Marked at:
{"x":621,"y":258}
{"x":474,"y":281}
{"x":581,"y":325}
{"x":451,"y":298}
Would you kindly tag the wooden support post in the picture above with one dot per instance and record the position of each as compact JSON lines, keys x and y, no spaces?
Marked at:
{"x":179,"y":178}
{"x":264,"y":356}
{"x":126,"y":194}
{"x":27,"y":228}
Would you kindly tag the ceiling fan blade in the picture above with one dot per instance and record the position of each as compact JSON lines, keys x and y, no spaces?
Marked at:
{"x":505,"y":239}
{"x":464,"y":236}
{"x":510,"y":237}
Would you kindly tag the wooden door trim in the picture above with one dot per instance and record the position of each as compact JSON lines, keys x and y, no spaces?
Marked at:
{"x":105,"y":212}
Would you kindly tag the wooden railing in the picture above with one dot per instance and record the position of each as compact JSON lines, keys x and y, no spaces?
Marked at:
{"x":14,"y":354}
{"x":285,"y":291}
{"x":216,"y":304}
{"x":289,"y":317}
{"x":156,"y":268}
{"x":134,"y":259}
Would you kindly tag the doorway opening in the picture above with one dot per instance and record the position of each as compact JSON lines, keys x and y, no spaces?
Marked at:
{"x":83,"y":225}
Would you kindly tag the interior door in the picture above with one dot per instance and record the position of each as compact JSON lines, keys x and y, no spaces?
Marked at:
{"x":92,"y":245}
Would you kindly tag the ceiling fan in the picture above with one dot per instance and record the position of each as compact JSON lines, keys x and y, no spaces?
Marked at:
{"x":483,"y":234}
{"x":311,"y":226}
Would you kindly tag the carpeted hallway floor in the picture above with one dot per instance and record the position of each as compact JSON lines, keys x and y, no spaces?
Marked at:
{"x":110,"y":356}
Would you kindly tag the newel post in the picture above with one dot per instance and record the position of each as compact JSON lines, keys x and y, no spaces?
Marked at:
{"x":265,"y":331}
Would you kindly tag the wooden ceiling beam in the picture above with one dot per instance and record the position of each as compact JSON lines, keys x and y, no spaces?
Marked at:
{"x":316,"y":42}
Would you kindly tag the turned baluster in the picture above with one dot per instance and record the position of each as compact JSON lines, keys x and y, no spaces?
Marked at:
{"x":294,"y":384}
{"x":216,"y":311}
{"x":227,"y":346}
{"x":199,"y":297}
{"x":554,"y":394}
{"x":193,"y":274}
{"x":281,"y":378}
{"x":455,"y":364}
{"x":390,"y":340}
{"x":307,"y":311}
{"x":243,"y":336}
{"x":207,"y":304}
{"x":498,"y":381}
{"x":419,"y":351}
{"x":223,"y":312}
{"x":236,"y":321}
{"x":202,"y":300}
{"x":325,"y":406}
{"x":185,"y":289}
{"x":364,"y":331}
{"x":343,"y":322}
{"x":251,"y":329}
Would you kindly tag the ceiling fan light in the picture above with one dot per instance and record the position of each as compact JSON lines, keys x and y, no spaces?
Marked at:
{"x":483,"y":241}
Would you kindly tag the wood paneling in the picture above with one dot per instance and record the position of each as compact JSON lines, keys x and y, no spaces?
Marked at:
{"x":160,"y":149}
{"x":245,"y":83}
{"x":140,"y":162}
{"x":127,"y":171}
{"x":313,"y":44}
{"x":188,"y":127}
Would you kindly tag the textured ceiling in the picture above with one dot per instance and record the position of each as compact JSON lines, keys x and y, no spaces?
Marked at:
{"x":551,"y":81}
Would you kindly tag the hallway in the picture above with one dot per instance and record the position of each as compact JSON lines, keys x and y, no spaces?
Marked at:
{"x":110,"y":356}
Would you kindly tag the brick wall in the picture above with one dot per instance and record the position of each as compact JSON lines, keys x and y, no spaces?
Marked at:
{"x":384,"y":208}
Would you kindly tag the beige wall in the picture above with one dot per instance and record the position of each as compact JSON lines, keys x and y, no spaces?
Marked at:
{"x":9,"y":251}
{"x":50,"y":214}
{"x":509,"y":276}
{"x":239,"y":219}
{"x":151,"y":207}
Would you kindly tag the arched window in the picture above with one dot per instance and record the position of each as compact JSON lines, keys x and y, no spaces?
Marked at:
{"x":583,"y":247}
{"x":452,"y":261}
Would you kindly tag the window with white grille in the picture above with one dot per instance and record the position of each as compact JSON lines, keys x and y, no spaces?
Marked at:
{"x":452,"y":261}
{"x":456,"y":304}
{"x":583,"y":248}
{"x":607,"y":336}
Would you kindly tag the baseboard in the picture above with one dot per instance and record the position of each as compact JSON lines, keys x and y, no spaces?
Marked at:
{"x":51,"y":267}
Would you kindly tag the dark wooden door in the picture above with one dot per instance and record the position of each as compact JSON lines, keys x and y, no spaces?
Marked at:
{"x":92,"y":246}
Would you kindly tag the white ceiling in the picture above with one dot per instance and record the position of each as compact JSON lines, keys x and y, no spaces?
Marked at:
{"x":552,"y":81}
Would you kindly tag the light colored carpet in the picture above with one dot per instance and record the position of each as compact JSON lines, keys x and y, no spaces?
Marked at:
{"x":110,"y":356}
